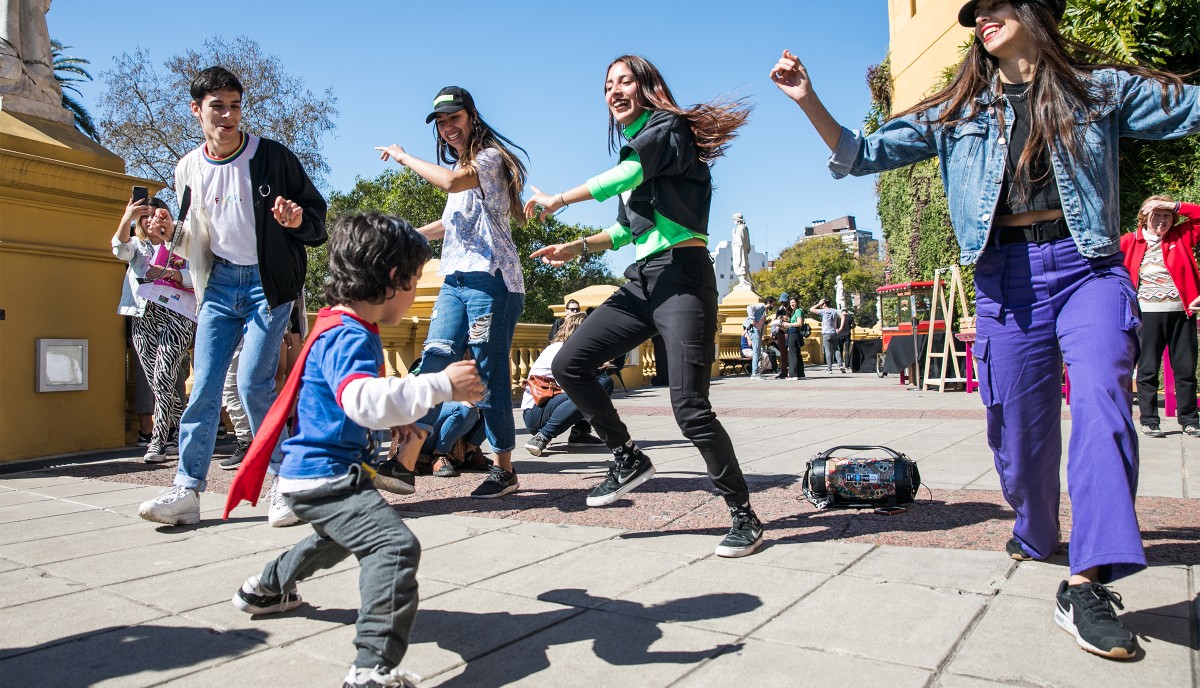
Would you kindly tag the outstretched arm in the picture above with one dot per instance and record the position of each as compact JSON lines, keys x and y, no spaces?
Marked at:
{"x":792,"y":78}
{"x":561,"y":254}
{"x":448,"y":180}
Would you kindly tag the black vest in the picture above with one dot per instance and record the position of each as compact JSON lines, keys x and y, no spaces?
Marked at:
{"x":675,"y":181}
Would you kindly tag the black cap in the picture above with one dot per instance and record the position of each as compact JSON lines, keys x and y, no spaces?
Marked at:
{"x":966,"y":15}
{"x":450,"y":99}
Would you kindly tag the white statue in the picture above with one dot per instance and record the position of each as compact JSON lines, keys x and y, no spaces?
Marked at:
{"x":27,"y":83}
{"x":741,"y":253}
{"x":840,"y":293}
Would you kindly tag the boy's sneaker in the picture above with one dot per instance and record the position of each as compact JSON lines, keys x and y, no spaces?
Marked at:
{"x":279,"y":513}
{"x":253,"y":598}
{"x":1086,"y":612}
{"x":443,"y":467}
{"x":583,"y":439}
{"x":378,"y":677}
{"x":154,"y":454}
{"x":745,"y":536}
{"x":178,"y":506}
{"x":1152,"y":431}
{"x":236,"y":458}
{"x":143,"y":439}
{"x":1193,"y":430}
{"x":221,"y":430}
{"x":498,"y":483}
{"x":1017,"y":551}
{"x":629,"y":469}
{"x":537,"y":444}
{"x":392,"y":476}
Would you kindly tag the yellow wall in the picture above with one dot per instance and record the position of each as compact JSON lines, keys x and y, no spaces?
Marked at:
{"x":925,"y":39}
{"x":61,"y":196}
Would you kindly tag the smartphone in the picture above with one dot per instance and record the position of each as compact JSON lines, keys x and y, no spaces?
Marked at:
{"x":140,"y":193}
{"x":890,"y":510}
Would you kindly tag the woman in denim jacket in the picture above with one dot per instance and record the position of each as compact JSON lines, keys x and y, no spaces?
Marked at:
{"x":1027,"y":135}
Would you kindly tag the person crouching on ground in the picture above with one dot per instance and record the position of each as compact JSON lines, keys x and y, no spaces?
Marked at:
{"x":374,"y":264}
{"x":554,"y":415}
{"x":1159,"y":258}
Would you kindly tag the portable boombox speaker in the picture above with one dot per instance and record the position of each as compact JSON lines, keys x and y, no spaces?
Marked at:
{"x":855,"y":481}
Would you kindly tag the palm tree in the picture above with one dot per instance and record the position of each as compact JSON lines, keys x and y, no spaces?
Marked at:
{"x":68,"y":71}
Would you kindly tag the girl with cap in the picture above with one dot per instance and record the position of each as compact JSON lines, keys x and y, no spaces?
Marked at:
{"x":1026,"y":134}
{"x":664,"y":189}
{"x":483,"y":288}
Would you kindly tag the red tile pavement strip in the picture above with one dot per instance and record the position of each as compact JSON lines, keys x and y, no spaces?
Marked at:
{"x":951,"y":519}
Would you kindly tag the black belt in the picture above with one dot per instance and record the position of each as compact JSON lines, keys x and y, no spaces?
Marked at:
{"x":1036,"y":233}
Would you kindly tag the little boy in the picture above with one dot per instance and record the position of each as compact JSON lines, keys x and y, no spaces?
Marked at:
{"x":374,"y":264}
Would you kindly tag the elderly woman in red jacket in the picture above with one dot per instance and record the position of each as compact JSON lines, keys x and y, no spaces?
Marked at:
{"x":1163,"y":269}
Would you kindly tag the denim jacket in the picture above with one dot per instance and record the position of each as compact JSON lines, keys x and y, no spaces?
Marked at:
{"x":973,"y":154}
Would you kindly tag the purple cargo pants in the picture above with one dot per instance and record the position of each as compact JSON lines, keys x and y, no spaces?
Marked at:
{"x":1038,"y":306}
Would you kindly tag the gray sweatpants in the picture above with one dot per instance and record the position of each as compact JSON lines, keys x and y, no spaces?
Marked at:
{"x":350,"y":517}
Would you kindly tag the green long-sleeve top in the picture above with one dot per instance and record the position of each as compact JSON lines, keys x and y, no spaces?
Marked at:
{"x":626,"y":176}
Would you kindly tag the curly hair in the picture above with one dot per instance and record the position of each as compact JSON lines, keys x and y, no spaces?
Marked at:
{"x":364,"y":251}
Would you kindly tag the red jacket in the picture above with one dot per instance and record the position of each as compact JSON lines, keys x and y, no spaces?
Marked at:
{"x":1177,"y":246}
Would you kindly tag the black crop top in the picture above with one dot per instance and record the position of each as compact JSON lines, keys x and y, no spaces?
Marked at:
{"x":1042,"y":191}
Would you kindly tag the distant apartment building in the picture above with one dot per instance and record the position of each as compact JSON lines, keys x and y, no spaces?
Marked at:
{"x":859,"y":241}
{"x":723,"y":264}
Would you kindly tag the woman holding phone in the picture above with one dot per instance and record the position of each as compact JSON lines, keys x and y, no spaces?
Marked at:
{"x":1160,"y":259}
{"x":483,"y":290}
{"x":665,"y":152}
{"x":1026,"y":133}
{"x":161,"y":336}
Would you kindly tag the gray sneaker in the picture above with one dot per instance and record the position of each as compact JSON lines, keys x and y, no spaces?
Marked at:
{"x":537,"y":444}
{"x":1153,"y":431}
{"x":236,"y":459}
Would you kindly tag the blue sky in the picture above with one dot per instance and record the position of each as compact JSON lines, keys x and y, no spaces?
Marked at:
{"x":536,"y":70}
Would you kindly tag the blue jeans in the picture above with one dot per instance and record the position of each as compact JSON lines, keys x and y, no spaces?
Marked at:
{"x":475,"y":309}
{"x":455,"y":420}
{"x":234,"y":308}
{"x":559,"y":413}
{"x":756,"y":346}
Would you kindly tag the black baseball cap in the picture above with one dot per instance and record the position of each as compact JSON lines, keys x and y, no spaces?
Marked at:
{"x":966,"y":15}
{"x":450,"y":99}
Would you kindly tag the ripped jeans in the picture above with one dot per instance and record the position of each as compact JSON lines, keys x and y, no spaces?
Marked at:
{"x":476,"y":310}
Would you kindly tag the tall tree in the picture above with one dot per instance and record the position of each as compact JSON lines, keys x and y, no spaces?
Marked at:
{"x":809,"y":268}
{"x":145,"y":116}
{"x":69,"y":71}
{"x":403,"y":193}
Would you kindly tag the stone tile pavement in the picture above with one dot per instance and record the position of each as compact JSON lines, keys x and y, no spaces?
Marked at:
{"x":539,"y":590}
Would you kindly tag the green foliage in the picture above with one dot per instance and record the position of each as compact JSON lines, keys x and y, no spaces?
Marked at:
{"x":69,"y":71}
{"x":879,"y":81}
{"x":1161,"y":34}
{"x":402,"y":192}
{"x":808,"y":270}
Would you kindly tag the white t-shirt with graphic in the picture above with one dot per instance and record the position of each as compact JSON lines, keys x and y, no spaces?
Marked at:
{"x":229,"y":201}
{"x":478,"y":238}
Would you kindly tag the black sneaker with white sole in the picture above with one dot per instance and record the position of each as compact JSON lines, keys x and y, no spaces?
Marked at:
{"x":392,"y":476}
{"x":498,"y":483}
{"x":537,"y":444}
{"x":253,"y":598}
{"x":1192,"y":430}
{"x":236,"y":458}
{"x":745,"y":536}
{"x":1086,"y":612}
{"x":583,"y":439}
{"x":627,"y":472}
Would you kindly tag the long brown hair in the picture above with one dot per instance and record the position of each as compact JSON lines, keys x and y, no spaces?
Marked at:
{"x":570,"y":324}
{"x":484,"y":136}
{"x":1060,"y":89}
{"x":714,"y":124}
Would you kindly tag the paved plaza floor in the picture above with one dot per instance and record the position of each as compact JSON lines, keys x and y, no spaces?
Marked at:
{"x":537,"y":589}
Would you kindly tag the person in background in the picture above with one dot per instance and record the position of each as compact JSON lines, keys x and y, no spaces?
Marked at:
{"x":796,"y":330}
{"x":1159,"y":257}
{"x":572,"y":307}
{"x":845,"y":326}
{"x":161,"y":336}
{"x":829,"y":334}
{"x":549,"y":419}
{"x":756,"y":318}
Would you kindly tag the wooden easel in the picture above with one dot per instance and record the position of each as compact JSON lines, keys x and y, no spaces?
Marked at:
{"x":949,"y":355}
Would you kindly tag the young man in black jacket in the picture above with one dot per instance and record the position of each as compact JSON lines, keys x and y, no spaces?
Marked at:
{"x":253,"y":210}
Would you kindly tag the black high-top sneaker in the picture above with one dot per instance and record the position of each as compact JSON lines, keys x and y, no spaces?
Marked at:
{"x":629,"y":469}
{"x":745,"y":536}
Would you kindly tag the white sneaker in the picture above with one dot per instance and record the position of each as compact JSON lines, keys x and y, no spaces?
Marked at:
{"x":378,"y":678}
{"x":179,"y":506}
{"x":279,"y":514}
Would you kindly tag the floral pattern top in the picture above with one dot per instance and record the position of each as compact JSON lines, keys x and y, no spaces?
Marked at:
{"x":478,"y":238}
